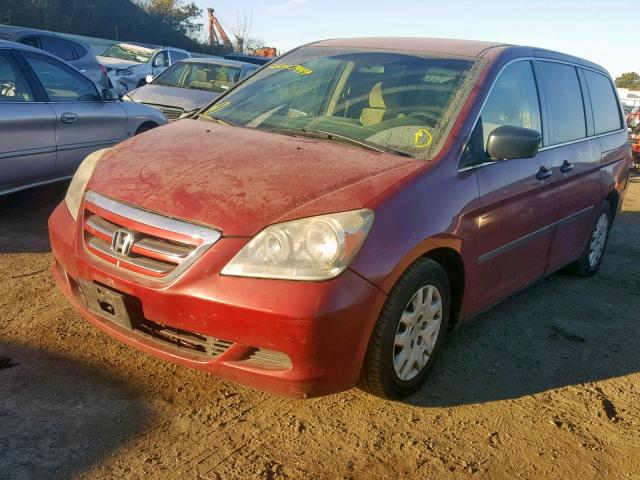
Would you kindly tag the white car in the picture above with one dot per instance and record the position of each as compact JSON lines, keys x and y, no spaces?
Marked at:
{"x":129,"y":64}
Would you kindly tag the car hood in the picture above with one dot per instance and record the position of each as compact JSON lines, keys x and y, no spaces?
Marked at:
{"x":185,"y":98}
{"x":110,"y":62}
{"x":239,"y":179}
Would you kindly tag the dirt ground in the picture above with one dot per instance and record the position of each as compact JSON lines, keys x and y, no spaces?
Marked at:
{"x":546,"y":385}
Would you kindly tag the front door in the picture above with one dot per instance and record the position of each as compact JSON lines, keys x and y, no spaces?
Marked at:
{"x":512,"y":239}
{"x":27,"y":129}
{"x":84,"y":122}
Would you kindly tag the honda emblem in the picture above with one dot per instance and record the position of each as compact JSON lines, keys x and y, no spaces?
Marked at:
{"x":122,"y":242}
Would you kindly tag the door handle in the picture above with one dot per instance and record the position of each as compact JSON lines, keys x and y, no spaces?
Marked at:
{"x":69,"y":117}
{"x":543,"y":173}
{"x":567,"y":166}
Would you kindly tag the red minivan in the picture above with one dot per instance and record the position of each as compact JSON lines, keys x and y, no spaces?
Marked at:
{"x":324,"y":223}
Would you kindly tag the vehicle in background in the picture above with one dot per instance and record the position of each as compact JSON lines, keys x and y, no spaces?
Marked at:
{"x":74,"y":52}
{"x":190,"y":85}
{"x":52,"y":117}
{"x":633,"y":123}
{"x":129,"y":64}
{"x":324,"y":223}
{"x":633,"y":115}
{"x":255,"y":59}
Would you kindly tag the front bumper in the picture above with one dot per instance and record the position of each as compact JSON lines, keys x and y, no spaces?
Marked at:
{"x":323,"y":327}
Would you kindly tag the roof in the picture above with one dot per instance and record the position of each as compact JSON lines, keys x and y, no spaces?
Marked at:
{"x":216,"y":61}
{"x":453,"y":47}
{"x":9,"y":31}
{"x":148,"y":46}
{"x":445,"y":46}
{"x":20,"y":46}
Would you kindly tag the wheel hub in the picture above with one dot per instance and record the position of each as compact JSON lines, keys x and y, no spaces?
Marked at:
{"x":417,"y":332}
{"x":598,"y":239}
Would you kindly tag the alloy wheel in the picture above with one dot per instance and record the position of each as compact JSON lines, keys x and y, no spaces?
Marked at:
{"x":598,"y":240}
{"x":417,"y":332}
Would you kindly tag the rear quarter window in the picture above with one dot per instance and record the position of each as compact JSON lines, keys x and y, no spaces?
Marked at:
{"x":606,"y":110}
{"x":59,"y":47}
{"x":78,"y":49}
{"x":176,"y":56}
{"x":563,"y":99}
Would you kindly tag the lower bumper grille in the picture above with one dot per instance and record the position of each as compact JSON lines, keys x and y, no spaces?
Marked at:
{"x":183,"y":340}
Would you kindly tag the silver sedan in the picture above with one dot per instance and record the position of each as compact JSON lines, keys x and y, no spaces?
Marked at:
{"x":52,"y":117}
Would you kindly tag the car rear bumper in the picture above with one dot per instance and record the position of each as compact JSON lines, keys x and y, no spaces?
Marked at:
{"x":311,"y":337}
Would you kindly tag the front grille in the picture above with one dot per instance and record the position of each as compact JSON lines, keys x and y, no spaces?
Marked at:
{"x":172,"y":113}
{"x":161,"y":247}
{"x":184,"y":340}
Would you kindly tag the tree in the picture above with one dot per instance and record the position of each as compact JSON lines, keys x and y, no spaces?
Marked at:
{"x":182,"y":18}
{"x":630,"y":80}
{"x":242,"y":30}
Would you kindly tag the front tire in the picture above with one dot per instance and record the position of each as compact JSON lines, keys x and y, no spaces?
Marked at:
{"x":589,"y":263}
{"x":409,"y":332}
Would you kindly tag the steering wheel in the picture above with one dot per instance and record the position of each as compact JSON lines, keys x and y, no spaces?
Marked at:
{"x":424,"y":116}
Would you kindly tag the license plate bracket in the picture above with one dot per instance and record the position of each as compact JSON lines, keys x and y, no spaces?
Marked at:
{"x":106,"y":303}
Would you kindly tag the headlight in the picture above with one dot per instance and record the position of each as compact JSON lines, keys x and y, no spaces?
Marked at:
{"x":315,"y":248}
{"x":125,"y":72}
{"x":79,"y":182}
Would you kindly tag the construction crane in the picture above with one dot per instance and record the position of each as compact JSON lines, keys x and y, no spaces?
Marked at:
{"x":215,"y":36}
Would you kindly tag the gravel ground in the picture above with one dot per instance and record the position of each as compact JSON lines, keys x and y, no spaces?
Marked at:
{"x":545,"y":385}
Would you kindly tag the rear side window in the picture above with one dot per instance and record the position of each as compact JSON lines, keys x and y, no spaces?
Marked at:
{"x":61,"y":82}
{"x":564,"y":103}
{"x":513,"y":102}
{"x":606,"y":111}
{"x":59,"y":47}
{"x":78,"y":49}
{"x":13,"y":86}
{"x":176,"y":56}
{"x":30,"y":41}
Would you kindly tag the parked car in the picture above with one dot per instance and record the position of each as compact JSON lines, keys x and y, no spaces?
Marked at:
{"x":73,"y":52}
{"x":325,"y":222}
{"x":255,"y":59}
{"x":190,"y":85}
{"x":128,"y":64}
{"x":52,"y":117}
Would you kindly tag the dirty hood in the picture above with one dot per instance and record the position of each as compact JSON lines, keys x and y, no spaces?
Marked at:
{"x":185,"y":98}
{"x":116,"y":63}
{"x":239,"y":179}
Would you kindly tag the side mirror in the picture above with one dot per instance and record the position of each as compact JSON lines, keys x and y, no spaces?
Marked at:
{"x":149,"y":78}
{"x":513,"y":142}
{"x":109,"y":95}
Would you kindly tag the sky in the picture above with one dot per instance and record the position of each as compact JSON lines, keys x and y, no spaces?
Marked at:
{"x":605,"y":32}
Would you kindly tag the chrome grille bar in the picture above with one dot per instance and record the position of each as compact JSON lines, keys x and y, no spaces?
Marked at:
{"x":163,"y":247}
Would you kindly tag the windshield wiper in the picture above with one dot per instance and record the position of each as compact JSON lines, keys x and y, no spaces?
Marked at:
{"x":212,"y":118}
{"x":340,"y":138}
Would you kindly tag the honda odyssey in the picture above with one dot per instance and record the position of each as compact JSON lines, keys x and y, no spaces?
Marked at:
{"x":325,"y":222}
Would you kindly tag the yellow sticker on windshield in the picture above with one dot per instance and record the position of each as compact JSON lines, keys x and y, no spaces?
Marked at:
{"x":217,"y":107}
{"x":299,"y":69}
{"x":423,"y":138}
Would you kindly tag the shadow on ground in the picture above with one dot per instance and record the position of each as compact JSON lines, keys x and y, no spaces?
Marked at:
{"x":23,"y":218}
{"x":563,"y":331}
{"x":50,"y":431}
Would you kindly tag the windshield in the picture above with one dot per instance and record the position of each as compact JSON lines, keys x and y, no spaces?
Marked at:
{"x":129,"y":52}
{"x":397,"y":100}
{"x":203,"y":76}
